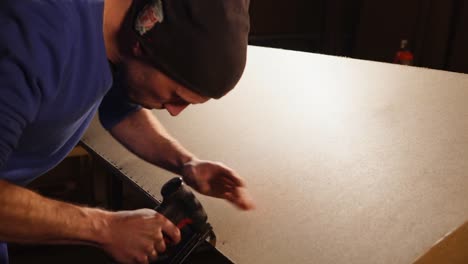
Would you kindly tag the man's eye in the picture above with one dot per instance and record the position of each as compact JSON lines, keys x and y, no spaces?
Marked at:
{"x":181,"y":103}
{"x":176,"y":99}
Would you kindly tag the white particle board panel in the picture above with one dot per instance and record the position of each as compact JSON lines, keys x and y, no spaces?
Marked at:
{"x":349,"y":161}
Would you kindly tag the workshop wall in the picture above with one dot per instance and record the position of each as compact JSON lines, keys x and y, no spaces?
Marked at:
{"x":313,"y":26}
{"x":293,"y":25}
{"x":365,"y":29}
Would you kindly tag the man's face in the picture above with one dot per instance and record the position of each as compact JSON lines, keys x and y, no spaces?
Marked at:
{"x":153,"y":89}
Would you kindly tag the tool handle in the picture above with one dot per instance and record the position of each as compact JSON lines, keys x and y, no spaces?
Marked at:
{"x":180,"y":205}
{"x":183,"y":209}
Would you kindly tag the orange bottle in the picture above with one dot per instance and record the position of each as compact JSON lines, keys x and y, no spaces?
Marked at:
{"x":404,"y":55}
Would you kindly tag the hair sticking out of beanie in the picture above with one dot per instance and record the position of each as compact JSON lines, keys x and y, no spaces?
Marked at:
{"x":147,"y":18}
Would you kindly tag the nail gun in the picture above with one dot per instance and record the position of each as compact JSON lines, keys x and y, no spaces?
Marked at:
{"x":180,"y":206}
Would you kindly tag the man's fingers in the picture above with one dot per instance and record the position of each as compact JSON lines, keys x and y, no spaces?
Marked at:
{"x":234,"y":200}
{"x":153,"y":255}
{"x":142,"y":260}
{"x":240,"y":198}
{"x":234,"y":179}
{"x":160,"y":246}
{"x":171,"y":231}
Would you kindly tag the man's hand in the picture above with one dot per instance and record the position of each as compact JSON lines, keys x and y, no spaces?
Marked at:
{"x":145,"y":136}
{"x":137,"y":236}
{"x":217,"y":180}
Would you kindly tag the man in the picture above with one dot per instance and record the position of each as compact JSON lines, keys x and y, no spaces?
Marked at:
{"x":55,"y":74}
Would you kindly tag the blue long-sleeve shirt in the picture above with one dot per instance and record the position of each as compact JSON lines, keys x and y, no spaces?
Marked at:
{"x":54,"y":75}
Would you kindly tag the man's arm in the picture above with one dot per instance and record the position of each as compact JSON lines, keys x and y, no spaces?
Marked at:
{"x":144,"y":135}
{"x":128,"y":236}
{"x":26,"y":217}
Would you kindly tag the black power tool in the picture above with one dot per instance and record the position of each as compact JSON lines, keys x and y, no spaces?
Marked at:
{"x":181,"y":207}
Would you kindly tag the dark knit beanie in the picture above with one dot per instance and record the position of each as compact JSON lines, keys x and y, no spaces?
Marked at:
{"x":202,"y":44}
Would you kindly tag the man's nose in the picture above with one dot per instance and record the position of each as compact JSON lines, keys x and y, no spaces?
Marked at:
{"x":175,"y":109}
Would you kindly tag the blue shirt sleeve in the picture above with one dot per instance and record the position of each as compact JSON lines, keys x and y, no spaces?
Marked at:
{"x":19,"y":101}
{"x":28,"y":63}
{"x":3,"y":253}
{"x":116,"y":105}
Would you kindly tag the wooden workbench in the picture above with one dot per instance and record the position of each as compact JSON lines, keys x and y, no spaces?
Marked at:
{"x":349,"y":161}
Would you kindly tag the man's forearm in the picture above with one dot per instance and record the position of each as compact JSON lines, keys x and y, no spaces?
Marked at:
{"x":27,"y":217}
{"x":142,"y":134}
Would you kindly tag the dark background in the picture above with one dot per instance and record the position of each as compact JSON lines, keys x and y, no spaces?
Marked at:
{"x":437,"y":30}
